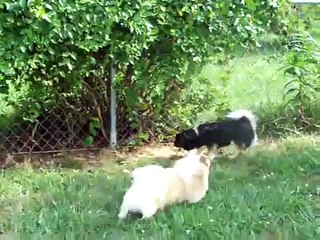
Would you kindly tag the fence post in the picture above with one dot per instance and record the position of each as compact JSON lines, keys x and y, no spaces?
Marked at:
{"x":113,"y":108}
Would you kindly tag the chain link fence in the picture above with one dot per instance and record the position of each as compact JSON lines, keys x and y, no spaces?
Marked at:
{"x":55,"y":130}
{"x":62,"y":129}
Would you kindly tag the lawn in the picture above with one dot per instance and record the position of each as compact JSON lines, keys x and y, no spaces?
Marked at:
{"x":254,"y":79}
{"x":271,"y":192}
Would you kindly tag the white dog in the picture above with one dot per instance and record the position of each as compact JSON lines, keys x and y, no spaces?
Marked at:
{"x":154,"y":187}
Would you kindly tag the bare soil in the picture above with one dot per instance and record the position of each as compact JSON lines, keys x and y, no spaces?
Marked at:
{"x":81,"y":159}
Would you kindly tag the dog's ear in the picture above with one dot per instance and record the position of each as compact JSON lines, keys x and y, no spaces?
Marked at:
{"x":205,"y":161}
{"x":211,"y":154}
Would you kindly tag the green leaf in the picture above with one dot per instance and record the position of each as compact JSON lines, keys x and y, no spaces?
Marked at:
{"x":88,"y":141}
{"x":69,"y":65}
{"x":297,"y":71}
{"x":94,"y":126}
{"x":251,"y":4}
{"x":51,"y":51}
{"x":62,"y":74}
{"x":23,"y":4}
{"x":23,"y":49}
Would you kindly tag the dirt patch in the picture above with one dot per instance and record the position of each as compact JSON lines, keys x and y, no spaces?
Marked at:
{"x":154,"y":151}
{"x":83,"y":159}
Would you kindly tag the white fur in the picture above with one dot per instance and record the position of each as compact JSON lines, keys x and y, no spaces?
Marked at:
{"x":237,"y":114}
{"x":143,"y":172}
{"x":154,"y":187}
{"x":244,"y":113}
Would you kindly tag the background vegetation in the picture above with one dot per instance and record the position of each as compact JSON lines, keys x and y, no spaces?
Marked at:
{"x":57,"y":54}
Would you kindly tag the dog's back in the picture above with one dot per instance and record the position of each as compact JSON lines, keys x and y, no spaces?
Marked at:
{"x":220,"y":133}
{"x":206,"y":134}
{"x":152,"y":171}
{"x":238,"y":127}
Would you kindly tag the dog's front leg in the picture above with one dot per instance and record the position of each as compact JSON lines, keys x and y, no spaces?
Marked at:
{"x":123,"y":211}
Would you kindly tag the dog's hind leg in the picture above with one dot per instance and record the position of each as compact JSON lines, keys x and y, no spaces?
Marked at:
{"x":240,"y":150}
{"x":123,"y":211}
{"x":148,"y":211}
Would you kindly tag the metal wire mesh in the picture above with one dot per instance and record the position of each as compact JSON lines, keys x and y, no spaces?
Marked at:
{"x":55,"y":130}
{"x":61,"y":129}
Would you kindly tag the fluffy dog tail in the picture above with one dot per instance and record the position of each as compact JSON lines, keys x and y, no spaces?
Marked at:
{"x":240,"y":113}
{"x":244,"y":113}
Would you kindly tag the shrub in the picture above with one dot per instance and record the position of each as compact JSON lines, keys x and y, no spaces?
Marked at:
{"x":302,"y":88}
{"x":59,"y":52}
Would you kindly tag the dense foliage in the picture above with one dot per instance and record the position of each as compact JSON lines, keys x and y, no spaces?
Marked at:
{"x":59,"y":52}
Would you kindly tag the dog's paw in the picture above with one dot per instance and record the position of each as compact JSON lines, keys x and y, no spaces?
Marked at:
{"x":148,"y":213}
{"x":122,"y":214}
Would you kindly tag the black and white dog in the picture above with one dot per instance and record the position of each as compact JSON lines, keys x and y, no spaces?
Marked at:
{"x":238,"y":127}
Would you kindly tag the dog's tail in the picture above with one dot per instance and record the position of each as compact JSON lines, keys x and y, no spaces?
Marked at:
{"x":240,"y":113}
{"x":244,"y":113}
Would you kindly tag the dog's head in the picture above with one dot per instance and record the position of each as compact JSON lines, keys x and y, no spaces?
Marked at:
{"x":194,"y":159}
{"x":205,"y":160}
{"x":186,"y":139}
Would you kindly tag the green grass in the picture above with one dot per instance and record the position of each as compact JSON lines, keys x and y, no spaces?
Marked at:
{"x":254,"y":79}
{"x":269,"y":193}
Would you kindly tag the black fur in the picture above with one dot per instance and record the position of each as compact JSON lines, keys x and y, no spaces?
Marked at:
{"x":219,"y":134}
